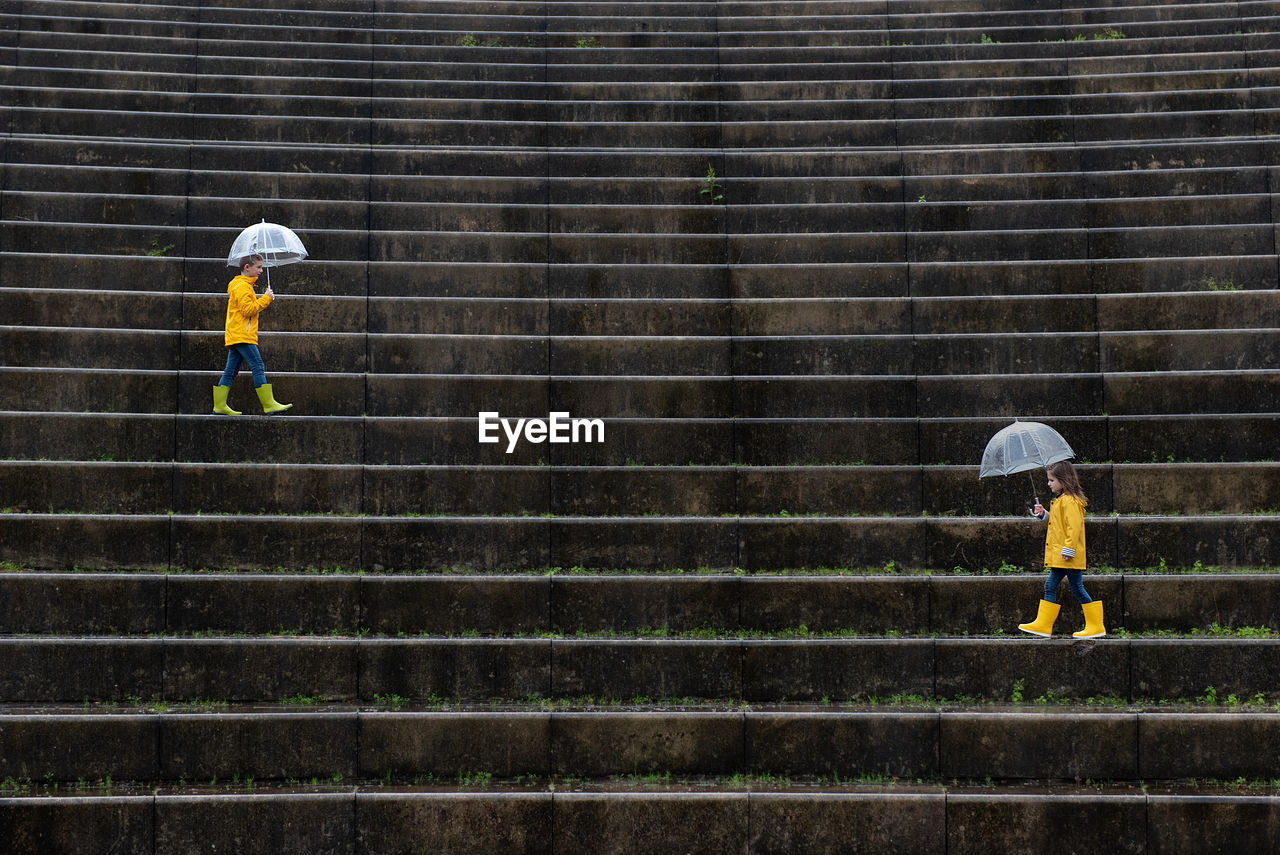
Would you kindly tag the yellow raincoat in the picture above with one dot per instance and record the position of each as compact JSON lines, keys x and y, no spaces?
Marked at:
{"x":1064,"y":542}
{"x":243,"y":306}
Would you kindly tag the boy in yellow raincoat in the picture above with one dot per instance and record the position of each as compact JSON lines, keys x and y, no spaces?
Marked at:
{"x":241,"y":338}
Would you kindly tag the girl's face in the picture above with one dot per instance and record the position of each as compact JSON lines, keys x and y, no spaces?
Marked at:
{"x":1055,"y":485}
{"x":253,"y":269}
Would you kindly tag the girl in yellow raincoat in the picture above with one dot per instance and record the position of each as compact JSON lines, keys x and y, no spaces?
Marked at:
{"x":1064,"y":554}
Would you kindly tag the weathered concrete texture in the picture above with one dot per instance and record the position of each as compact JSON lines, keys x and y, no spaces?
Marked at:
{"x":1204,"y":488}
{"x":75,"y":747}
{"x":892,"y":744}
{"x":262,"y":604}
{"x":54,"y":669}
{"x":71,"y":670}
{"x":1027,"y":745}
{"x":445,"y":543}
{"x":897,"y":604}
{"x":776,"y":544}
{"x":1248,"y":541}
{"x":641,"y":743}
{"x":978,"y":824}
{"x":595,"y":824}
{"x":651,"y":543}
{"x":813,"y":823}
{"x":81,"y":604}
{"x":66,"y":541}
{"x":1228,"y":746}
{"x":1225,"y":823}
{"x":456,"y":669}
{"x":1200,"y":601}
{"x":449,"y":605}
{"x":251,"y":543}
{"x":66,"y":604}
{"x":67,"y":825}
{"x":259,"y":669}
{"x":627,"y":604}
{"x":1022,"y":744}
{"x":816,"y":668}
{"x":1227,"y":668}
{"x":450,"y":745}
{"x":479,"y":823}
{"x":303,"y":824}
{"x":302,"y":746}
{"x":1063,"y":668}
{"x":531,"y":823}
{"x":488,"y":543}
{"x":646,"y":668}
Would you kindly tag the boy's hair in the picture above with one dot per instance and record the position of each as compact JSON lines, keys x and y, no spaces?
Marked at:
{"x":1067,"y":477}
{"x":250,"y":259}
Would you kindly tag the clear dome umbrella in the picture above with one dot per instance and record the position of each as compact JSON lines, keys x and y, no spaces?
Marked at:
{"x":1021,"y":447}
{"x":277,"y":245}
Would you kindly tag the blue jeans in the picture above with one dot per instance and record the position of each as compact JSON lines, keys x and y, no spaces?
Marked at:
{"x":1075,"y":581}
{"x":237,"y":355}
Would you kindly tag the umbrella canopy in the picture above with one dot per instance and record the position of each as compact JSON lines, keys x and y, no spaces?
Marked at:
{"x":276,"y":244}
{"x":1023,"y":446}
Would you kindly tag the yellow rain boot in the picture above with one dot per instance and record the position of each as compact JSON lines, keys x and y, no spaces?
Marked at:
{"x":269,"y":403}
{"x":220,"y":401}
{"x":1093,"y":627}
{"x":1043,"y":624}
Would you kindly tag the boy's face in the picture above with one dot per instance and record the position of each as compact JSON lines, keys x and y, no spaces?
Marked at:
{"x":252,"y":270}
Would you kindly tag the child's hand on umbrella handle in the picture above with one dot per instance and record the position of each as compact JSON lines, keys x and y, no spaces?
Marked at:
{"x":1038,"y":511}
{"x":270,"y":293}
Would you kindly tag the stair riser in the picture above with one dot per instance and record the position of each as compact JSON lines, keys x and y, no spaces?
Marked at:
{"x":760,"y":823}
{"x":338,"y":746}
{"x":484,"y":543}
{"x":808,"y":671}
{"x":712,"y":357}
{"x":54,"y":604}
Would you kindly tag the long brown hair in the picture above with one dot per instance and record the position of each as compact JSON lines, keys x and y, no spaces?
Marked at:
{"x":1067,"y":477}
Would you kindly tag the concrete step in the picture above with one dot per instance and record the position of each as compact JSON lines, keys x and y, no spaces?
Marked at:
{"x":1190,"y":277}
{"x":250,"y":670}
{"x":646,"y":607}
{"x":666,"y":355}
{"x":337,"y":746}
{"x":661,"y":820}
{"x":244,"y":542}
{"x":888,"y":396}
{"x":1158,"y":438}
{"x":132,"y":486}
{"x":1161,"y":163}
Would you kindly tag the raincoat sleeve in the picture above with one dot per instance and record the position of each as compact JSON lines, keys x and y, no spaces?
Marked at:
{"x":247,"y":302}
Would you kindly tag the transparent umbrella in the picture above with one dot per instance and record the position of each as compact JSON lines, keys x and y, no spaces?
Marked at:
{"x":1021,"y":447}
{"x":277,"y":245}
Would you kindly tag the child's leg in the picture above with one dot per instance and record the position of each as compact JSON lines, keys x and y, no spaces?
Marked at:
{"x":234,"y":361}
{"x":1051,"y":584}
{"x":1075,"y":580}
{"x":253,"y":356}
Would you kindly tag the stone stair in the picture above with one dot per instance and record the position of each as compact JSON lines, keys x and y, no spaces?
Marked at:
{"x":801,"y":259}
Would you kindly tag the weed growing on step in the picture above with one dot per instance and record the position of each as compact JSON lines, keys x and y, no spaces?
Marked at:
{"x":711,"y":186}
{"x":480,"y":780}
{"x":587,"y":42}
{"x":158,"y":251}
{"x":1228,"y":285}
